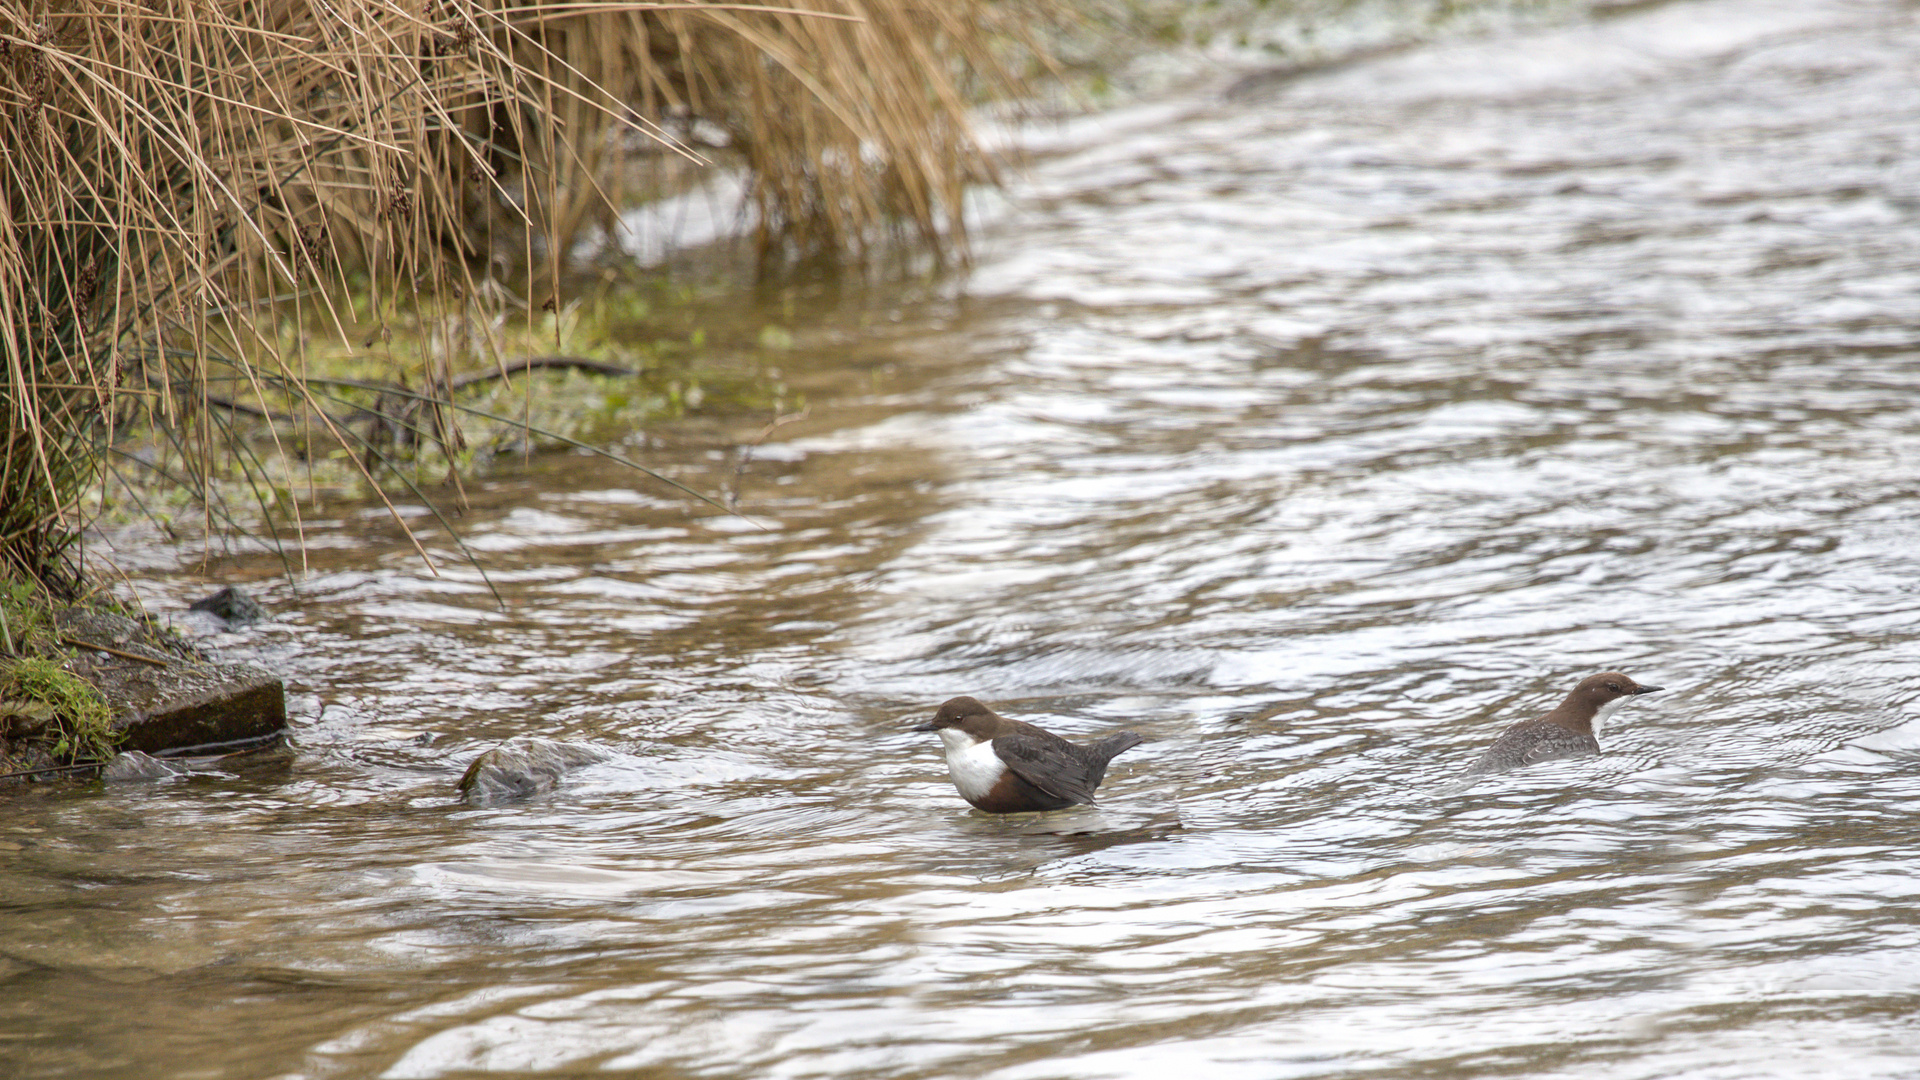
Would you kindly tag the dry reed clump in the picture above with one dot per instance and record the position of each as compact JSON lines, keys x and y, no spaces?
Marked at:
{"x":185,"y":180}
{"x":171,"y":170}
{"x":849,"y":121}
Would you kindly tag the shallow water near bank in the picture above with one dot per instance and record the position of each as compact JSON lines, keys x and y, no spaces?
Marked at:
{"x":1313,"y":428}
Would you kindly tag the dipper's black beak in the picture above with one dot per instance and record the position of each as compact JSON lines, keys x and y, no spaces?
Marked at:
{"x":1649,"y":689}
{"x":928,"y":726}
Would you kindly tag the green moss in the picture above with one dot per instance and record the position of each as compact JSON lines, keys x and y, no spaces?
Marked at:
{"x":44,"y":708}
{"x":42,"y":701}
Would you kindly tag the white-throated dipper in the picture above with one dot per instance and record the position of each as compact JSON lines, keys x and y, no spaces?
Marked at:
{"x":1567,"y":731}
{"x":1004,"y":766}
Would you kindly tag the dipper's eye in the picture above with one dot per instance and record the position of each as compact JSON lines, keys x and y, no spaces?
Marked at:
{"x":1615,"y":687}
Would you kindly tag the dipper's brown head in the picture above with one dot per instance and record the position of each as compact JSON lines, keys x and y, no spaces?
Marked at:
{"x":967,"y":715}
{"x":1597,"y":697}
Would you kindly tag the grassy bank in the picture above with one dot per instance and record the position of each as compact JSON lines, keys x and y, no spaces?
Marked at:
{"x":280,"y":210}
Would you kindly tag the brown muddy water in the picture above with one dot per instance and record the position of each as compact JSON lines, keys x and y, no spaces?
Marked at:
{"x":1314,"y":429}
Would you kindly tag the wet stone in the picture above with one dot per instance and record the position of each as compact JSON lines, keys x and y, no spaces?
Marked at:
{"x":166,"y":694}
{"x":523,"y":765}
{"x":214,"y":705}
{"x":206,"y":706}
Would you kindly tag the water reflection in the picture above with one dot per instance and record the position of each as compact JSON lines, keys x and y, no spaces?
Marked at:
{"x":1315,"y":432}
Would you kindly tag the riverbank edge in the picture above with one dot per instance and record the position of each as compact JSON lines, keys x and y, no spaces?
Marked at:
{"x":161,"y":694}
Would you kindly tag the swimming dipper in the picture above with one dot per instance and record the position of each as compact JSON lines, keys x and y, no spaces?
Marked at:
{"x":1004,"y":766}
{"x":1565,"y":732}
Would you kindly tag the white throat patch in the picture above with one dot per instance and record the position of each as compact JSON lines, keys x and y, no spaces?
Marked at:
{"x":974,"y":766}
{"x":1605,"y":712}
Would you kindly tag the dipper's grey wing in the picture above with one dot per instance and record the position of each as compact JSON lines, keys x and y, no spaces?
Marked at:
{"x":1049,"y":764}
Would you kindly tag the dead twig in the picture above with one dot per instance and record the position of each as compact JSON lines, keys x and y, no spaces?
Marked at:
{"x":53,"y":769}
{"x":538,"y":363}
{"x":78,"y":644}
{"x":243,"y":407}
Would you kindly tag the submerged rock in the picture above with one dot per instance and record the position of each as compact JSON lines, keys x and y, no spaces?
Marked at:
{"x":232,"y":605}
{"x":134,"y":765}
{"x":523,"y":765}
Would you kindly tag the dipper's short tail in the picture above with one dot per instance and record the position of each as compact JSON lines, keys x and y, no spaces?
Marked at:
{"x":1112,"y":747}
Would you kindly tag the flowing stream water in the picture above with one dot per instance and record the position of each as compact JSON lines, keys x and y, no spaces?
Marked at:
{"x":1315,"y":428}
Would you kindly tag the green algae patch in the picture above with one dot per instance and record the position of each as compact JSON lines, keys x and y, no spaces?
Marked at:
{"x":422,"y":397}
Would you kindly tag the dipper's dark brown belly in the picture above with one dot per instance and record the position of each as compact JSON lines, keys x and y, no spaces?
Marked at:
{"x":1012,"y":795}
